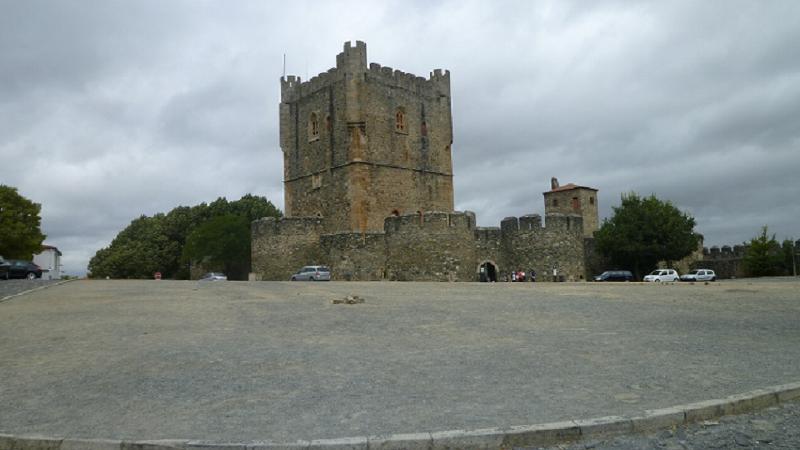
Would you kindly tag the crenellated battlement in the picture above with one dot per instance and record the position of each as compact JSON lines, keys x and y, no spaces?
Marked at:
{"x":353,"y":58}
{"x":724,"y":252}
{"x":487,"y":233}
{"x":438,"y":84}
{"x":433,"y":221}
{"x":353,"y":61}
{"x":533,"y":223}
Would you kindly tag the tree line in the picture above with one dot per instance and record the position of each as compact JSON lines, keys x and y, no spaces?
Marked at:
{"x":214,"y":236}
{"x":645,"y":230}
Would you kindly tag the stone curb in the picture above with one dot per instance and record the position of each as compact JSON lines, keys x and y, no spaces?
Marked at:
{"x":488,"y":438}
{"x":38,"y":288}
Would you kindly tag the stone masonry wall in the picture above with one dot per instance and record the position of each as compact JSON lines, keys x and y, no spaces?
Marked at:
{"x":488,"y":248}
{"x":433,"y":246}
{"x":280,"y":247}
{"x":726,"y":261}
{"x":355,"y":256}
{"x":527,"y":245}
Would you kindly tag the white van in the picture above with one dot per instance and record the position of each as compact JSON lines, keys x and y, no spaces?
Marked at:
{"x":659,"y":275}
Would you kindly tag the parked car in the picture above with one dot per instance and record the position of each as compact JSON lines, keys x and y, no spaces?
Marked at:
{"x":699,"y":275}
{"x":4,"y":265}
{"x":214,"y":276}
{"x":659,"y":275}
{"x":23,"y":269}
{"x":313,"y":273}
{"x":615,"y":275}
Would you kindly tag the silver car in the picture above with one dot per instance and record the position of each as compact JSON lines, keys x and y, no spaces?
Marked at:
{"x":699,"y":275}
{"x":313,"y":273}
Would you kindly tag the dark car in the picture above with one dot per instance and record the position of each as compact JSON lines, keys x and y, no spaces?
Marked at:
{"x":615,"y":275}
{"x":23,"y":269}
{"x":4,"y":265}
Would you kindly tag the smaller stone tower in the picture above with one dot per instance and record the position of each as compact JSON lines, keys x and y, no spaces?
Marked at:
{"x":573,"y":199}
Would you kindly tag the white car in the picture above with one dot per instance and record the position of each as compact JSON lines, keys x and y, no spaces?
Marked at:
{"x":659,"y":275}
{"x":313,"y":273}
{"x":214,"y":276}
{"x":699,"y":275}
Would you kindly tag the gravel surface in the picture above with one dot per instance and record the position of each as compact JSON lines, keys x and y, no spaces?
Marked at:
{"x":239,"y":361}
{"x":12,"y":287}
{"x":777,"y":427}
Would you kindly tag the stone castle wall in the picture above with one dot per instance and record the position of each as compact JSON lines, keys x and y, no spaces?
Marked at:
{"x":557,"y":245}
{"x":279,"y":247}
{"x":355,"y":256}
{"x":427,"y":246}
{"x":725,"y":261}
{"x":431,"y":246}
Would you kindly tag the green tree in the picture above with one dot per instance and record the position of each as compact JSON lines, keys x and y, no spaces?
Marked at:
{"x":763,"y":256}
{"x":221,"y":244}
{"x":790,"y":256}
{"x":20,"y":225}
{"x":643,"y":231}
{"x":156,"y":244}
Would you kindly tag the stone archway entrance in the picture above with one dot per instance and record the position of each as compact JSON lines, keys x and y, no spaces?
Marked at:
{"x":487,"y":271}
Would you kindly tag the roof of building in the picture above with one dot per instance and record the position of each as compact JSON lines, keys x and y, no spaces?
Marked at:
{"x":51,"y":247}
{"x":569,"y":187}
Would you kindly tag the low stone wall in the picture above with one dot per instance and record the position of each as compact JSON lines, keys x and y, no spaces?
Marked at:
{"x":280,"y":247}
{"x":433,"y":246}
{"x":558,"y":245}
{"x":429,"y":246}
{"x":355,"y":256}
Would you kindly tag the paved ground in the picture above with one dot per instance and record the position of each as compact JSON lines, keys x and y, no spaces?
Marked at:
{"x":777,"y":427}
{"x":248,"y":361}
{"x":11,"y":287}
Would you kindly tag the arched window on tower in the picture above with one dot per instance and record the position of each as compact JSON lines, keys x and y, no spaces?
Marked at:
{"x":313,"y":127}
{"x":400,"y":120}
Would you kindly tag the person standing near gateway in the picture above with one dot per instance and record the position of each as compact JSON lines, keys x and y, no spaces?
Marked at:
{"x":532,"y":274}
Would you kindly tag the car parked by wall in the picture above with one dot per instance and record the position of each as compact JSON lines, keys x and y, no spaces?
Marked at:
{"x":313,"y":273}
{"x":659,"y":275}
{"x":214,"y":276}
{"x":23,"y":269}
{"x":4,"y":265}
{"x":615,"y":275}
{"x":699,"y":275}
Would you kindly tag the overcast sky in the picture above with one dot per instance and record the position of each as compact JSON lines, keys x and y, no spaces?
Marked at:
{"x":112,"y":109}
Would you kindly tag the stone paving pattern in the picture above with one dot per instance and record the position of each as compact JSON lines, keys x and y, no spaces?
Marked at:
{"x":236,"y":361}
{"x":772,"y":428}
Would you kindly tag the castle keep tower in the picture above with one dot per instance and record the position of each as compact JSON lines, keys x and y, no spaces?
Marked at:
{"x":361,"y":143}
{"x":572,"y":199}
{"x":368,"y":185}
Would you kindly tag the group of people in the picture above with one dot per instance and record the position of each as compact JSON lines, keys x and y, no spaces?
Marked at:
{"x":520,"y":275}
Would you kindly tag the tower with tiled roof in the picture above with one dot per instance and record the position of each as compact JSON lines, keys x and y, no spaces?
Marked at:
{"x":572,"y":199}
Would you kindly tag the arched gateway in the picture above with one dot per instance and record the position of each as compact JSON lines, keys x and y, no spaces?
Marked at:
{"x":487,"y":271}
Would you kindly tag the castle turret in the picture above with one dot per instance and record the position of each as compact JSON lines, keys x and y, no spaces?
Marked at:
{"x":572,"y":199}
